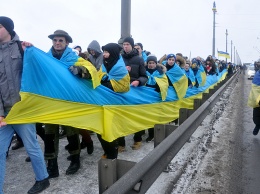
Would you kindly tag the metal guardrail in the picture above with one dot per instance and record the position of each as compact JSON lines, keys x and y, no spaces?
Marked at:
{"x":140,"y":176}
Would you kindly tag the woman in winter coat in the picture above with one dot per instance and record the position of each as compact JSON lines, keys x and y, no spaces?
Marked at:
{"x":114,"y":75}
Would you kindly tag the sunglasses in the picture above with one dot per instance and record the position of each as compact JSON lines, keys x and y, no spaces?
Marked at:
{"x":57,"y":40}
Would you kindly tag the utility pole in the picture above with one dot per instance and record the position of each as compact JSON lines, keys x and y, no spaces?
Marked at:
{"x":125,"y":20}
{"x":234,"y":54}
{"x":226,"y":43}
{"x":214,"y":9}
{"x":231,"y":50}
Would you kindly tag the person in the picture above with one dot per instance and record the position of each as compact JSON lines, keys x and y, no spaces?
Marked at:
{"x":78,"y":48}
{"x":61,"y":51}
{"x":11,"y":66}
{"x":86,"y":141}
{"x":112,"y":62}
{"x":254,"y":101}
{"x":176,"y":77}
{"x":211,"y":66}
{"x":96,"y":56}
{"x":155,"y":72}
{"x":190,"y":75}
{"x":135,"y":66}
{"x":180,"y":60}
{"x":230,"y":69}
{"x":257,"y":65}
{"x":139,"y":46}
{"x":113,"y":75}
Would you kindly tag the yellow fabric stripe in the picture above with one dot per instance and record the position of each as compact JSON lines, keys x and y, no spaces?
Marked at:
{"x":92,"y":70}
{"x":163,"y":85}
{"x":181,"y":86}
{"x":74,"y":114}
{"x":109,"y":121}
{"x":203,"y":77}
{"x":254,"y":96}
{"x":122,"y":85}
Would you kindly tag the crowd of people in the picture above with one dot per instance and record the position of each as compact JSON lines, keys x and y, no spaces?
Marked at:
{"x":119,"y":67}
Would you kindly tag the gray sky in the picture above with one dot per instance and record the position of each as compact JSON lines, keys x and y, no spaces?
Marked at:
{"x":166,"y":26}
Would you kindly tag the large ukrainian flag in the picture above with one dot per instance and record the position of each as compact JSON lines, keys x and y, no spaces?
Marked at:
{"x":254,"y":96}
{"x":50,"y":93}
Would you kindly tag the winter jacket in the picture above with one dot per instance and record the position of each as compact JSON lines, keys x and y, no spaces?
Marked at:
{"x":11,"y":66}
{"x":97,"y":59}
{"x":136,"y":63}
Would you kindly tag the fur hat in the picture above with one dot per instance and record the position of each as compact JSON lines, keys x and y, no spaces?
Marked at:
{"x":130,"y":40}
{"x":8,"y":24}
{"x":170,"y":56}
{"x":61,"y":33}
{"x":151,"y":58}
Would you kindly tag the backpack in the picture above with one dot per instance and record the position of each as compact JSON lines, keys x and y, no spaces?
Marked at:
{"x":19,"y":43}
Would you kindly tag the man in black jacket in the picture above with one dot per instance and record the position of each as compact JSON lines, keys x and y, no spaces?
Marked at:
{"x":135,"y":66}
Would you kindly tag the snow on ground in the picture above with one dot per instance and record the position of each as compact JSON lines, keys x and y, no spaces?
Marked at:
{"x":19,"y":175}
{"x":184,"y":168}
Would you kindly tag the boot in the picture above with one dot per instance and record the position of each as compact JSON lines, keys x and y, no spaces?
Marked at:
{"x":90,"y":147}
{"x":136,"y":145}
{"x":17,"y":145}
{"x":256,"y":130}
{"x":39,"y":186}
{"x":74,"y":165}
{"x":28,"y":159}
{"x":149,"y":139}
{"x":52,"y":168}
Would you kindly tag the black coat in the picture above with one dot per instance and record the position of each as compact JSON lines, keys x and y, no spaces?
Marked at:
{"x":136,"y":63}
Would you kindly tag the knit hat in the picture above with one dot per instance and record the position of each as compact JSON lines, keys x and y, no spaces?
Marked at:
{"x":170,"y":56}
{"x":139,"y":44}
{"x":7,"y":23}
{"x":130,"y":41}
{"x":61,"y":33}
{"x":77,"y":46}
{"x":151,"y":58}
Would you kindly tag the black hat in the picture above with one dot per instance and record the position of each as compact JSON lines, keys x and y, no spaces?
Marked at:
{"x":139,"y":44}
{"x":130,"y":40}
{"x":8,"y":24}
{"x":61,"y":33}
{"x":151,"y":58}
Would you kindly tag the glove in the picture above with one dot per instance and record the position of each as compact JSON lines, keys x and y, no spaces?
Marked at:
{"x":74,"y":70}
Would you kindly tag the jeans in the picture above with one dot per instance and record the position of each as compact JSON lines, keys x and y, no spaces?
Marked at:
{"x":27,"y":132}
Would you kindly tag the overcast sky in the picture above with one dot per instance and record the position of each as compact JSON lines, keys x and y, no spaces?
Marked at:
{"x":165,"y":26}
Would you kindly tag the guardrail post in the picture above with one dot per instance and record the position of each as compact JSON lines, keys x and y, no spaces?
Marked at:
{"x":106,"y":174}
{"x":197,"y":103}
{"x":109,"y":171}
{"x":205,"y":97}
{"x":161,"y":131}
{"x":211,"y":91}
{"x":183,"y":115}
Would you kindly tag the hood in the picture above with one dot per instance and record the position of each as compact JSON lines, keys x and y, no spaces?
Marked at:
{"x":95,"y":46}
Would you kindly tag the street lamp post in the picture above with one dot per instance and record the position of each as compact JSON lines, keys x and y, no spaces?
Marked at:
{"x":125,"y":20}
{"x":226,"y":43}
{"x":214,"y":9}
{"x":231,"y":50}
